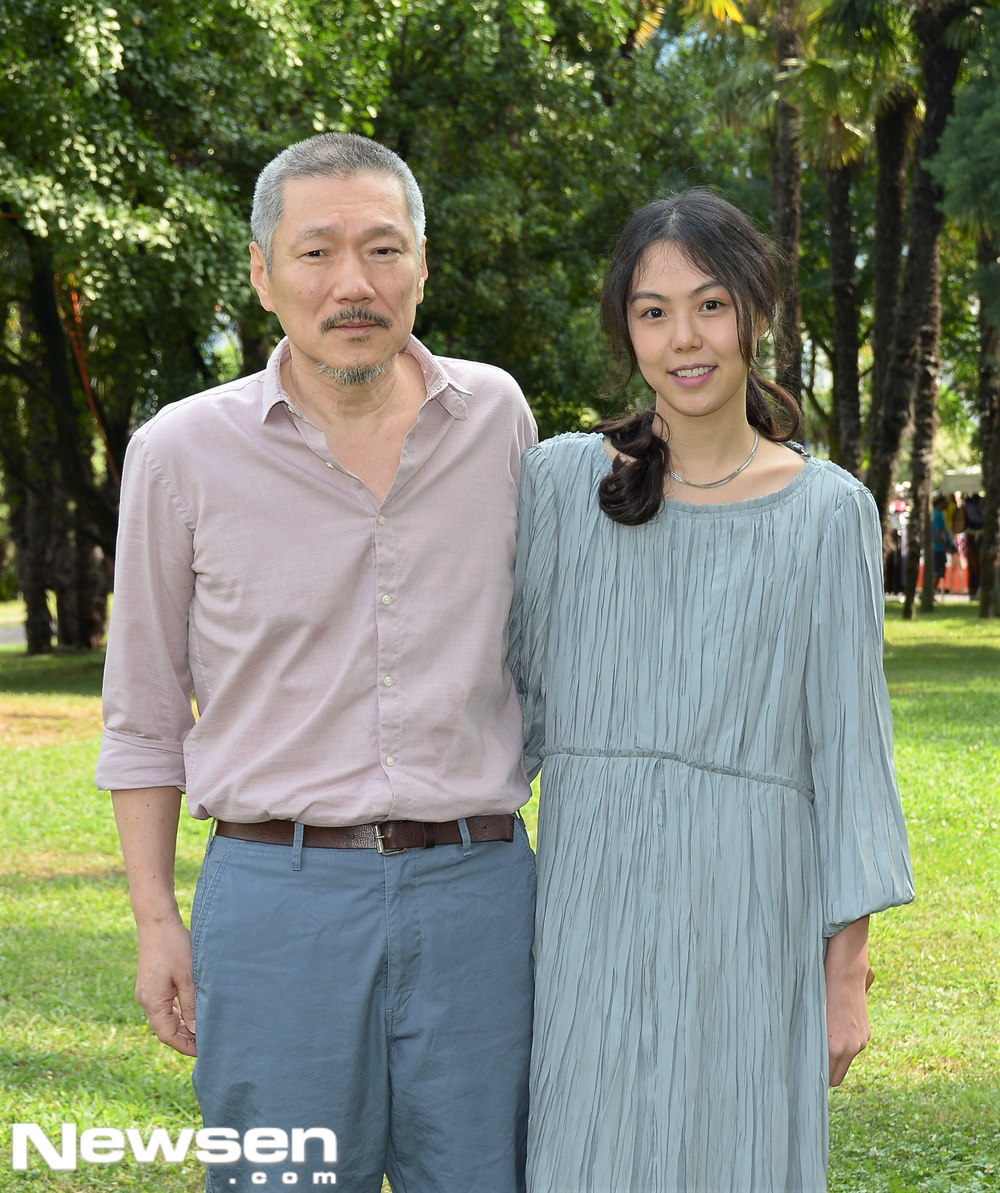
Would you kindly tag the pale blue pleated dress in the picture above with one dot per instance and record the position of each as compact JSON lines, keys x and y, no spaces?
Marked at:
{"x":705,"y":695}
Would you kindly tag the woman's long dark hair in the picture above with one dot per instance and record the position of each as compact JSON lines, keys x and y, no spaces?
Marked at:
{"x":721,"y":242}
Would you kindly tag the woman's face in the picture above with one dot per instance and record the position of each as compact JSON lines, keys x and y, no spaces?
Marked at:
{"x":682,"y":324}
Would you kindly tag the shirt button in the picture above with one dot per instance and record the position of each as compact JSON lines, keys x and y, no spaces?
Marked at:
{"x":390,"y":761}
{"x":387,"y":600}
{"x":388,"y":681}
{"x":381,"y":519}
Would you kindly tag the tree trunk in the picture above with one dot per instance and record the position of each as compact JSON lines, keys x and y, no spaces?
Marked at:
{"x":73,"y":442}
{"x":912,"y":369}
{"x":925,"y":426}
{"x":92,"y":588}
{"x":62,"y":576}
{"x":890,"y":410}
{"x":32,"y":542}
{"x":924,"y":430}
{"x":914,"y":362}
{"x":80,"y":584}
{"x":914,"y":350}
{"x":27,"y":465}
{"x":843,"y":257}
{"x":988,"y":250}
{"x":54,"y":470}
{"x":30,"y":578}
{"x":786,"y":210}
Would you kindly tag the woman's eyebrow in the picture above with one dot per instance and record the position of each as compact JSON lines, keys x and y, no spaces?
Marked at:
{"x":646,"y":295}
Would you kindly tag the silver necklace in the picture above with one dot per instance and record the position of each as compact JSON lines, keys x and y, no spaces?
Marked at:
{"x":726,"y":479}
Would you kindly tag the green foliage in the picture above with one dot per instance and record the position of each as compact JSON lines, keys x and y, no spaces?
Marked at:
{"x":965,"y":165}
{"x":120,"y":132}
{"x":534,"y":138}
{"x":131,"y":137}
{"x":959,"y":398}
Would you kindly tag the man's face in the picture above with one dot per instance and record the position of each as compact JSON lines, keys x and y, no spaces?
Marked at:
{"x":346,"y":275}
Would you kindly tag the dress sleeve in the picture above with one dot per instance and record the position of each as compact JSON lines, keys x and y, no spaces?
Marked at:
{"x":864,"y":853}
{"x":147,"y":677}
{"x":536,"y":566}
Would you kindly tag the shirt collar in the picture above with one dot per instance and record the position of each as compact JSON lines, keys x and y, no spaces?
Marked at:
{"x":441,"y":386}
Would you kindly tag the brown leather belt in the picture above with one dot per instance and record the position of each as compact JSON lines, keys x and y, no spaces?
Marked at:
{"x":389,"y":836}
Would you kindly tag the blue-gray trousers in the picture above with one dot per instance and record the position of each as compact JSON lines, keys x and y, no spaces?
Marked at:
{"x":386,"y":999}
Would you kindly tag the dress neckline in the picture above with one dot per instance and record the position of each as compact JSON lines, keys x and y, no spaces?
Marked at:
{"x":747,"y":505}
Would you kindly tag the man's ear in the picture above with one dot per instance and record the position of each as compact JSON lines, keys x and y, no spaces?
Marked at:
{"x":260,"y":277}
{"x":423,"y":272}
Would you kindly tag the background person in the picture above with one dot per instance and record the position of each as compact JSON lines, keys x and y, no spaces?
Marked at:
{"x":293,"y":550}
{"x":940,"y":542}
{"x":696,"y":638}
{"x":973,"y":506}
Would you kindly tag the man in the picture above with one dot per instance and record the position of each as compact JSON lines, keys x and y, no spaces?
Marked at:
{"x":322,"y":554}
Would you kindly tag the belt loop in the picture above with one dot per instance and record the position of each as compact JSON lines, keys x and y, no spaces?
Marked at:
{"x":297,"y":846}
{"x":463,"y":828}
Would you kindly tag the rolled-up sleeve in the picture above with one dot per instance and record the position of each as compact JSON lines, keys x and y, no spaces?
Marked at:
{"x":147,"y":681}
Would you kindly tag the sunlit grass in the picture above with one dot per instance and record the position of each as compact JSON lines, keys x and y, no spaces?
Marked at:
{"x":920,"y":1110}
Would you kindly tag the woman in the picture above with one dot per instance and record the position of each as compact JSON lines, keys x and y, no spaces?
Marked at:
{"x":696,"y":638}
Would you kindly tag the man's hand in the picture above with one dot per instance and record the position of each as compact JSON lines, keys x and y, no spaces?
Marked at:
{"x":165,"y":984}
{"x":147,"y":825}
{"x":848,"y":1028}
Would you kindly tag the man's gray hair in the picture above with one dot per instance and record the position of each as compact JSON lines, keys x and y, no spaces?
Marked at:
{"x":328,"y":155}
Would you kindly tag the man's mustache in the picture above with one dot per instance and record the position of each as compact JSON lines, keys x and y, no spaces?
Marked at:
{"x":355,"y":315}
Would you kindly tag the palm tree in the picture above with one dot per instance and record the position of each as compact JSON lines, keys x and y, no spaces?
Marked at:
{"x":965,"y":168}
{"x":914,"y":366}
{"x":877,"y":37}
{"x":787,"y":35}
{"x":889,"y":410}
{"x":908,"y":371}
{"x":834,"y":102}
{"x":758,"y":66}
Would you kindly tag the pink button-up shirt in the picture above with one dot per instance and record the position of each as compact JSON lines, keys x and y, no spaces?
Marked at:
{"x":346,"y":656}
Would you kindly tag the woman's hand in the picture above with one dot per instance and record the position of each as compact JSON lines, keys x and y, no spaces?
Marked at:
{"x":848,"y":977}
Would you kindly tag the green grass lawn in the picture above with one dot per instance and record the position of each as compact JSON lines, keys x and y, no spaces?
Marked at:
{"x":920,"y":1109}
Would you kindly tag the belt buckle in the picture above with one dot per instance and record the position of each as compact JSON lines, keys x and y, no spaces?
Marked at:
{"x":380,"y":843}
